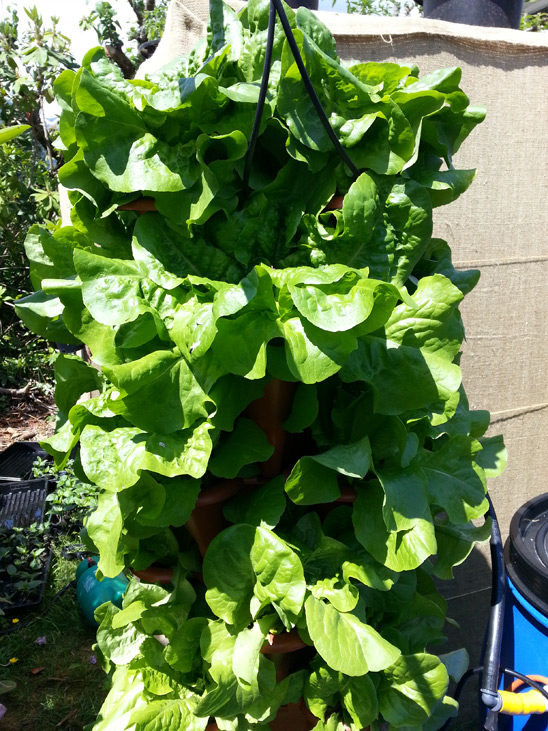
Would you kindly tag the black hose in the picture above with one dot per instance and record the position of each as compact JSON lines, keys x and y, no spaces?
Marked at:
{"x":277,"y":7}
{"x":262,"y":94}
{"x":310,"y":88}
{"x":490,"y":667}
{"x":75,"y":551}
{"x":528,"y":681}
{"x":491,"y":663}
{"x":460,"y":687}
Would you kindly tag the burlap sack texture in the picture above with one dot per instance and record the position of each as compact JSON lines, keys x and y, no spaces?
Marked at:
{"x":499,"y":226}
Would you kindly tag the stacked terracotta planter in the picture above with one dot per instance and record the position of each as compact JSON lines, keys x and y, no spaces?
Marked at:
{"x":269,"y":412}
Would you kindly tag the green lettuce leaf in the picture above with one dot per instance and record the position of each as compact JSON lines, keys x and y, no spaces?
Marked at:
{"x":400,"y":549}
{"x":455,"y":483}
{"x":114,"y":460}
{"x":247,"y":568}
{"x":346,"y":643}
{"x":411,"y":689}
{"x":409,"y":363}
{"x":314,"y":479}
{"x":160,"y":392}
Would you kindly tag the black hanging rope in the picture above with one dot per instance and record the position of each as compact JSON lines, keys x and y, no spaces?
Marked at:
{"x":277,"y":7}
{"x":310,"y":89}
{"x":262,"y":94}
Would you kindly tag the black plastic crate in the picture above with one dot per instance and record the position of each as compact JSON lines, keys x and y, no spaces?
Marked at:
{"x":16,"y":461}
{"x":23,"y":502}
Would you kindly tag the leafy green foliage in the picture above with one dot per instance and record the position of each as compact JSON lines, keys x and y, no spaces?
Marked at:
{"x":9,"y":133}
{"x":71,"y":500}
{"x":535,"y":22}
{"x":264,"y":570}
{"x":30,"y":154}
{"x":104,"y":22}
{"x":22,"y":558}
{"x":29,"y":62}
{"x":382,"y":7}
{"x":193,"y":310}
{"x":150,"y":19}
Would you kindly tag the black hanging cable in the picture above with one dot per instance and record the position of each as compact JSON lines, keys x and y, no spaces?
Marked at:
{"x":528,"y":681}
{"x":514,"y":673}
{"x":310,"y":88}
{"x":491,"y":667}
{"x":262,"y":94}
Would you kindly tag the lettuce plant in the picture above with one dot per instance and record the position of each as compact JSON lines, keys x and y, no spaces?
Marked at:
{"x":192,"y":308}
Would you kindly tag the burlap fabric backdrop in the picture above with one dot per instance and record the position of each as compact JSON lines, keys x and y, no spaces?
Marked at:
{"x":499,"y":226}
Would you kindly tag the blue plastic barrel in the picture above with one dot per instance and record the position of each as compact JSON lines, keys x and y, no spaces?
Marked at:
{"x":525,"y":638}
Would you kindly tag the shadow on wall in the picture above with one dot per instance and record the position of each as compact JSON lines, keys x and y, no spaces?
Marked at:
{"x":468,"y":598}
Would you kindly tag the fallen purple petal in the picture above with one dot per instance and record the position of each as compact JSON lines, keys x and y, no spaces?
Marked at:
{"x":40,"y":640}
{"x":93,"y":659}
{"x":3,"y":710}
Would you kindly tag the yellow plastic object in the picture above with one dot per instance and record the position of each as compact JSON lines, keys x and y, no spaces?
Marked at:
{"x":523,"y":704}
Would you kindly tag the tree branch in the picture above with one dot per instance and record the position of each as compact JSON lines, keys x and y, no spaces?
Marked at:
{"x":33,"y":162}
{"x":49,"y":148}
{"x":116,"y":54}
{"x":16,"y":391}
{"x":40,"y":134}
{"x":138,"y":14}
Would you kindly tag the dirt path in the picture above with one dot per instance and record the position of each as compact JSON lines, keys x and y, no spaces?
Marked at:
{"x":25,"y":418}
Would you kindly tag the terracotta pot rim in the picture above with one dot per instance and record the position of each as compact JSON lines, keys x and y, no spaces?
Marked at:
{"x":141,"y":205}
{"x":146,"y":203}
{"x":154,"y":574}
{"x":335,"y":203}
{"x":348,"y":495}
{"x":219,"y":492}
{"x":283,"y":642}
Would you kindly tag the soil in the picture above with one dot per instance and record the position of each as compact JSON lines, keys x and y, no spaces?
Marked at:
{"x":28,"y":417}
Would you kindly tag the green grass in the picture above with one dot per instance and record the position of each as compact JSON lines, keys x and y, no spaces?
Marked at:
{"x":69,"y":691}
